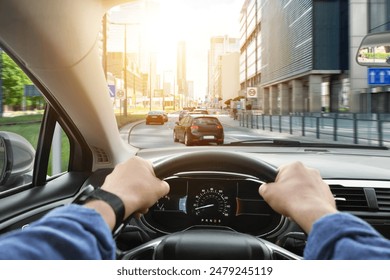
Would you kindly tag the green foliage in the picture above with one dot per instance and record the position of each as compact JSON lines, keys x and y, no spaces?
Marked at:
{"x":21,"y":119}
{"x":376,"y":55}
{"x":14,"y":80}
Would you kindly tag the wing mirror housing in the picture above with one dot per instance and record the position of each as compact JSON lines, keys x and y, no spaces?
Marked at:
{"x":16,"y":160}
{"x":374,"y":50}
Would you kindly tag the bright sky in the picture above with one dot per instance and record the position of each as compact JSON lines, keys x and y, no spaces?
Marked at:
{"x":195,"y":22}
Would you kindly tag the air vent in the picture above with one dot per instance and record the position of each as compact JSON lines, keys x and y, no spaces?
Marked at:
{"x":383,"y":198}
{"x":349,"y":199}
{"x":101,"y":155}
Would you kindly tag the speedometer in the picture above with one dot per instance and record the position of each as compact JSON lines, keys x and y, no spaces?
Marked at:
{"x":211,"y":205}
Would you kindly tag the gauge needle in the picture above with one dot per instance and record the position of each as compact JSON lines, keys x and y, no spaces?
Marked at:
{"x":204,"y":206}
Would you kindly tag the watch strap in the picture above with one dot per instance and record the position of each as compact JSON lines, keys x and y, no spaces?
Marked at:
{"x":113,"y":200}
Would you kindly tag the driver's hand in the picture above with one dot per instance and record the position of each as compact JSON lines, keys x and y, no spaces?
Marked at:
{"x":300,"y":193}
{"x":135,"y":183}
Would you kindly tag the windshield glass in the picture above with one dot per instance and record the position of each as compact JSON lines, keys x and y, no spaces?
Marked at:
{"x":259,"y":66}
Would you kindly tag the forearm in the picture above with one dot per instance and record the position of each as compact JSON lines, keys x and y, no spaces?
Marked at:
{"x":104,"y":210}
{"x":343,"y":236}
{"x":70,"y":232}
{"x":307,"y":215}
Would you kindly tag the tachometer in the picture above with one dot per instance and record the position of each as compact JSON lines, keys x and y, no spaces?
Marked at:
{"x":211,"y":205}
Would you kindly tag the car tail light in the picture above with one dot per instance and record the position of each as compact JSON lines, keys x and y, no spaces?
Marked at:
{"x":219,"y":126}
{"x":194,"y":127}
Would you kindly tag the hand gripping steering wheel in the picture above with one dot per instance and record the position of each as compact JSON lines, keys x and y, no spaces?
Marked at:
{"x":206,"y":243}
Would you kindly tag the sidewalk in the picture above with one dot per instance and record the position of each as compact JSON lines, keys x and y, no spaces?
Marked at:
{"x":310,"y":135}
{"x":227,"y":120}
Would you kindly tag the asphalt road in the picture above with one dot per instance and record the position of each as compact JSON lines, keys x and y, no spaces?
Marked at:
{"x":145,"y":136}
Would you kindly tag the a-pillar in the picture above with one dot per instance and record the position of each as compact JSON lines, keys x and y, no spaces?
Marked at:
{"x":297,"y":96}
{"x":315,"y":90}
{"x":284,"y":99}
{"x":274,"y":94}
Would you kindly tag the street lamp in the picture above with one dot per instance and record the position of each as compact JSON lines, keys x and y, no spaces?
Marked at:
{"x":150,"y":83}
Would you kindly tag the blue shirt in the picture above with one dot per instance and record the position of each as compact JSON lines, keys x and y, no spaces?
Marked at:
{"x":345,"y":237}
{"x":69,"y":232}
{"x":77,"y":232}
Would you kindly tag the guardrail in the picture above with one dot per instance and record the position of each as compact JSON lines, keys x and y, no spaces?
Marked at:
{"x":367,"y":129}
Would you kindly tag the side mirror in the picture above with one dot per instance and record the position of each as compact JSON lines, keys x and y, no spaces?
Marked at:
{"x":16,"y":160}
{"x":374,"y":50}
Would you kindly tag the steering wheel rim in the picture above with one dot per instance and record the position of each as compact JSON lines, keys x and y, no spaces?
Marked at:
{"x":215,"y":161}
{"x":229,"y":244}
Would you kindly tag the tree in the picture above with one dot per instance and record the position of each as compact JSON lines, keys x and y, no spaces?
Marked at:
{"x":238,"y":98}
{"x":14,"y":80}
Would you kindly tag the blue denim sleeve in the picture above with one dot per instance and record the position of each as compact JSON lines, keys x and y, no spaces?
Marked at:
{"x":344,"y":236}
{"x":68,"y":232}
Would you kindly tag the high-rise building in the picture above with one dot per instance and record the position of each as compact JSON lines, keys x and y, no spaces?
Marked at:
{"x":126,"y":26}
{"x":296,"y":54}
{"x":181,"y":72}
{"x":374,"y":17}
{"x":220,"y":47}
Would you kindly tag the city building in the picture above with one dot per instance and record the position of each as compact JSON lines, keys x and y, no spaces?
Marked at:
{"x":123,"y":32}
{"x":376,"y":18}
{"x":181,"y":72}
{"x":223,"y":59}
{"x":227,"y":82}
{"x":296,"y":55}
{"x":131,"y":86}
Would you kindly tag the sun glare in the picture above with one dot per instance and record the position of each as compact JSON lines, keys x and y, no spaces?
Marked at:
{"x":195,"y":22}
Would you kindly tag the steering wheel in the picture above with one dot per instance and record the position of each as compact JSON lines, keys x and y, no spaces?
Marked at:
{"x":208,"y":243}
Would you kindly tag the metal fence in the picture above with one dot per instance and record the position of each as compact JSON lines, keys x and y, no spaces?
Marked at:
{"x":366,"y":129}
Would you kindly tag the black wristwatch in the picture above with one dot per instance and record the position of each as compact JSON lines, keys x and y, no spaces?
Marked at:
{"x":113,"y":200}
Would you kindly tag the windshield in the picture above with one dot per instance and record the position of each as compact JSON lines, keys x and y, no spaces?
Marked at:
{"x":265,"y":69}
{"x":216,"y":95}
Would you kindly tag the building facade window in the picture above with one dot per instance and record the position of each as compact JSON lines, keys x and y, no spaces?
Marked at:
{"x":379,"y":15}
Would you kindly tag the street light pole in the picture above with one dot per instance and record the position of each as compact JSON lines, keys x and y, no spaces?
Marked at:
{"x":125,"y":71}
{"x":174,"y":93}
{"x":104,"y":58}
{"x":150,"y":82}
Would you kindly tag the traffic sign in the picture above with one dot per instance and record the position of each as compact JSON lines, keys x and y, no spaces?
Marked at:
{"x":111,"y":90}
{"x":251,"y":92}
{"x":378,"y":76}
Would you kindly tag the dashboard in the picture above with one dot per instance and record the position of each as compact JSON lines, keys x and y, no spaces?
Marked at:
{"x":218,"y":190}
{"x":213,"y":201}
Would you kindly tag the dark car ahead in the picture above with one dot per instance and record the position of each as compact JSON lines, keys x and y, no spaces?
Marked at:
{"x":155,"y":117}
{"x":194,"y":129}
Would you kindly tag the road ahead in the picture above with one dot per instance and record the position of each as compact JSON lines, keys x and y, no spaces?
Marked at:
{"x":157,"y":135}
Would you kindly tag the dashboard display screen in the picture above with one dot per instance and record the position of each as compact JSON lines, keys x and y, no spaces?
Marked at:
{"x":233,"y":203}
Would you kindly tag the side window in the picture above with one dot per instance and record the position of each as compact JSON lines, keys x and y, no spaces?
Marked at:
{"x":22,"y":135}
{"x":22,"y":109}
{"x":60,"y":151}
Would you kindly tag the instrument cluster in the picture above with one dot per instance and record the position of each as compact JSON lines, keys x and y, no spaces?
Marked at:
{"x":211,"y":202}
